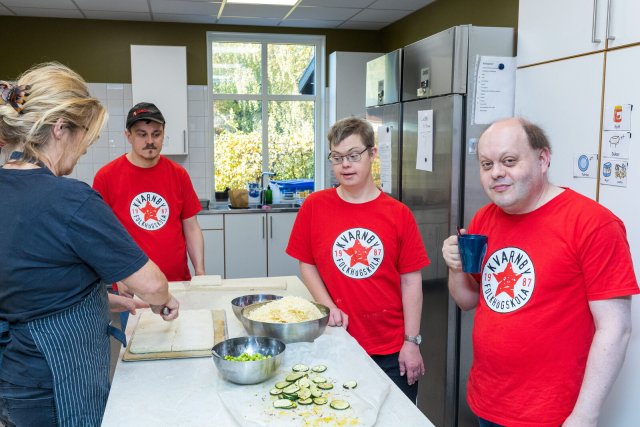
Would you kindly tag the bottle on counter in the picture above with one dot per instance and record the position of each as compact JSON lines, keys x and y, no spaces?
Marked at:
{"x":268,"y":196}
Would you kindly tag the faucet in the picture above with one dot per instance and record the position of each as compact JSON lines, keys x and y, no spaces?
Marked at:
{"x":262,"y":189}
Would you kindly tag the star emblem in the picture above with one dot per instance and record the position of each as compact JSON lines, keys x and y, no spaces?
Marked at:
{"x":149,"y":212}
{"x":358,"y":254}
{"x":507,"y":281}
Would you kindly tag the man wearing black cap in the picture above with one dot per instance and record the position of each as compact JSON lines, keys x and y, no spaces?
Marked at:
{"x":153,"y":197}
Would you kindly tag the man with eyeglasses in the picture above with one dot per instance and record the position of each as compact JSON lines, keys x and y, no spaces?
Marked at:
{"x":361,"y":253}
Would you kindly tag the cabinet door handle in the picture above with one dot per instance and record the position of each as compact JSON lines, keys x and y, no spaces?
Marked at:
{"x":609,"y":36}
{"x":594,"y":23}
{"x":263,"y":224}
{"x":271,"y":227}
{"x":184,"y":140}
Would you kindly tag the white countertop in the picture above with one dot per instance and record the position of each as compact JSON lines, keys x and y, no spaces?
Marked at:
{"x":185,"y":392}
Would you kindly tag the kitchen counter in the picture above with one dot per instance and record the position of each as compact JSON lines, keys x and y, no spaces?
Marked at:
{"x":226,"y":209}
{"x":186,"y":392}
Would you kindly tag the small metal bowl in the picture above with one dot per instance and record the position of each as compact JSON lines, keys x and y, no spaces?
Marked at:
{"x":241,"y":302}
{"x":250,"y":372}
{"x":286,"y":332}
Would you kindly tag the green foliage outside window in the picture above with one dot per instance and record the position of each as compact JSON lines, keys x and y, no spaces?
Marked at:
{"x":238,"y":123}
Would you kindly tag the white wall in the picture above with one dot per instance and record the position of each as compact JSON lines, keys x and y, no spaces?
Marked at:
{"x":112,"y":142}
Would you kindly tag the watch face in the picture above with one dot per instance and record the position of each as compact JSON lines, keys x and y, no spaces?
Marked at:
{"x":418,"y":339}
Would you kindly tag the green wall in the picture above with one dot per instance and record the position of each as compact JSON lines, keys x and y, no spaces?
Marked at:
{"x":443,"y":14}
{"x":99,"y":50}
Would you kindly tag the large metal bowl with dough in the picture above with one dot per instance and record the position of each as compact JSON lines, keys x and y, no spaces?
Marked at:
{"x":245,"y":300}
{"x":249,"y":372}
{"x":286,"y":332}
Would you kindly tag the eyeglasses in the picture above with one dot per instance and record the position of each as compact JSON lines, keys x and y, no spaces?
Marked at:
{"x":337,"y":159}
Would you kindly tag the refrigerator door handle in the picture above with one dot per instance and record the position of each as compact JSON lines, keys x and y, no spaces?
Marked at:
{"x":609,"y":36}
{"x":594,"y":23}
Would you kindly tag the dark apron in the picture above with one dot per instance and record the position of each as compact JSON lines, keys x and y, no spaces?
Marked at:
{"x":75,"y":344}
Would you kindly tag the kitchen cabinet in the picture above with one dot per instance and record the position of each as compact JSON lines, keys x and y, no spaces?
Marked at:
{"x":551,"y":29}
{"x":623,"y":22}
{"x":278,"y":262}
{"x":563,"y":97}
{"x":159,"y":76}
{"x":255,"y":244}
{"x":213,"y":232}
{"x":570,"y":98}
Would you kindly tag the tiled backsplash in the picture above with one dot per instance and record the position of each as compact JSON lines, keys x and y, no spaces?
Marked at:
{"x":112,"y":143}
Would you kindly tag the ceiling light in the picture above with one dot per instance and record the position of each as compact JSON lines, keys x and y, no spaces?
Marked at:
{"x":273,"y":2}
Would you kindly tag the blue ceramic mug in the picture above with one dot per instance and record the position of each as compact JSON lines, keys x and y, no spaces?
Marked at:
{"x":473,"y":248}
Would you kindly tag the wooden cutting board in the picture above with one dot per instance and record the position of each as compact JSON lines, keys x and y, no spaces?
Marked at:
{"x":219,"y":319}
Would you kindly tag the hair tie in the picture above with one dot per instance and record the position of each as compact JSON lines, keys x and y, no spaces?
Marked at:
{"x":14,"y":95}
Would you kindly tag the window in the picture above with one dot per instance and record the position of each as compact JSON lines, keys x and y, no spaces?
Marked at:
{"x":267,"y":106}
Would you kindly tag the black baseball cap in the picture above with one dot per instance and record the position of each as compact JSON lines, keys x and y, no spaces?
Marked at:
{"x":144,"y":111}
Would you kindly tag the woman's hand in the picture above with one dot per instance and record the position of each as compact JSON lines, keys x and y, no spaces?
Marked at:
{"x":119,"y":303}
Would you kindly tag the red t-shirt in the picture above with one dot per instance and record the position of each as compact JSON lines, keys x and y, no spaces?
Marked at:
{"x":151,"y":203}
{"x":533,"y":327}
{"x":360,"y":251}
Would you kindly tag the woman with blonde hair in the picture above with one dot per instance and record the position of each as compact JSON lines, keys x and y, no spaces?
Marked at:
{"x":58,"y":243}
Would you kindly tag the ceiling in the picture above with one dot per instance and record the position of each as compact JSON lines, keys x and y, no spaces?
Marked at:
{"x":339,"y":14}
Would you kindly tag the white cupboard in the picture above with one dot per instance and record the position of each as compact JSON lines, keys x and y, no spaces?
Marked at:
{"x":555,"y":95}
{"x":159,"y":76}
{"x":278,"y":262}
{"x":255,"y":244}
{"x":624,"y":19}
{"x":551,"y":29}
{"x":213,"y":232}
{"x":622,"y":87}
{"x":571,"y":98}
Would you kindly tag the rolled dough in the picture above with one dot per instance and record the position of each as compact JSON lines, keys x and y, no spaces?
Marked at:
{"x":191,"y":331}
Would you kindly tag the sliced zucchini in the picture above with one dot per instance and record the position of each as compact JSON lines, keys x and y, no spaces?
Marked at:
{"x":325,"y":386}
{"x":290,"y":396}
{"x":350,"y":385}
{"x":315,"y":392}
{"x":304,"y":393}
{"x":283,"y":404}
{"x":319,"y":368}
{"x":283,"y":384}
{"x":275,"y":391}
{"x":339,"y":404}
{"x":303,"y":382}
{"x":291,"y":389}
{"x":306,"y":401}
{"x":320,"y":400}
{"x":295,"y":376}
{"x":300,"y":368}
{"x":319,"y":379}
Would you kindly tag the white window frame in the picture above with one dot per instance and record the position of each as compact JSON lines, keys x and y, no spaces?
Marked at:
{"x":318,"y":41}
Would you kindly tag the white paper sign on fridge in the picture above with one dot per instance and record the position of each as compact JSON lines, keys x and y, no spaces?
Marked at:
{"x":585,"y":165}
{"x":616,"y":144}
{"x":614,"y":172}
{"x":617,"y":117}
{"x":386,"y":157}
{"x":494,"y":96}
{"x":424,"y":155}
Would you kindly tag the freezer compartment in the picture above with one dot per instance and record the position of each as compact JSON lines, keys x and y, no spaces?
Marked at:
{"x":384,"y":79}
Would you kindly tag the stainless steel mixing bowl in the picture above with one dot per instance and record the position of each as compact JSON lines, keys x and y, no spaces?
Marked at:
{"x":286,"y":332}
{"x":241,"y":302}
{"x":249,"y":372}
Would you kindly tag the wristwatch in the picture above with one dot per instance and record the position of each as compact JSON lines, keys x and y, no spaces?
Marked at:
{"x":416,"y":340}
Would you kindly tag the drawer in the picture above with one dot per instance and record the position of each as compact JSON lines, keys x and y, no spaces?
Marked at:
{"x":211,"y":222}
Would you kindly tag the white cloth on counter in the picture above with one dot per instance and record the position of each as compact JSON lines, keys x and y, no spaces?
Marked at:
{"x":252,"y":405}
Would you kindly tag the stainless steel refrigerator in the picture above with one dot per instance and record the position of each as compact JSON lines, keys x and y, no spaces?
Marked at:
{"x":437,"y":75}
{"x":384,"y":112}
